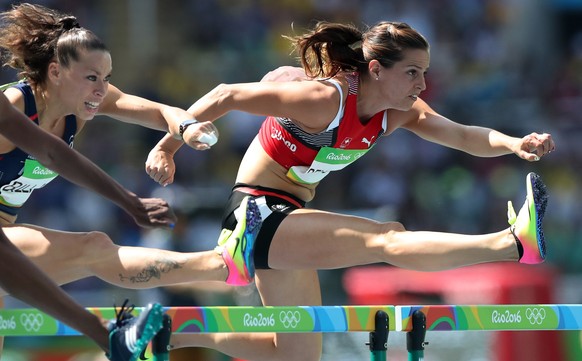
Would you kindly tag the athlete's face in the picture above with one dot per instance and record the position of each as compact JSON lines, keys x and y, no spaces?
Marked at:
{"x":82,"y":85}
{"x":405,"y":80}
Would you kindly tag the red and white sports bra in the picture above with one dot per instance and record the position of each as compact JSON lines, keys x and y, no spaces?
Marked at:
{"x":310,"y":157}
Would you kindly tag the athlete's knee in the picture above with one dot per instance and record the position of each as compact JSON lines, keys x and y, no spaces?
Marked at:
{"x":390,"y":238}
{"x":393,"y":227}
{"x":95,"y":242}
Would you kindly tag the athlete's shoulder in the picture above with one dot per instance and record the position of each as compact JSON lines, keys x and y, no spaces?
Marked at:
{"x":16,"y":97}
{"x":285,"y":73}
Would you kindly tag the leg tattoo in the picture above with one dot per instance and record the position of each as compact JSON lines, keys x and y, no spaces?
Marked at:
{"x":152,"y":271}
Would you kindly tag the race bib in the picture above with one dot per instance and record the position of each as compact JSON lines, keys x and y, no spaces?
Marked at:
{"x":34,"y":176}
{"x":328,"y":159}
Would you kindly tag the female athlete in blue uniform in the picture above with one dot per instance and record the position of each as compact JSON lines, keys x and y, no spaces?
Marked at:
{"x":65,"y":72}
{"x":23,"y":280}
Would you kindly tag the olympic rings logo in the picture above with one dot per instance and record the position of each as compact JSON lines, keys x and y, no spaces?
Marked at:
{"x":290,"y":319}
{"x":535,"y":315}
{"x":32,"y":321}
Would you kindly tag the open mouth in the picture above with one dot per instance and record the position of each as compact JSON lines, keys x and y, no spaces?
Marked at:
{"x":92,"y":105}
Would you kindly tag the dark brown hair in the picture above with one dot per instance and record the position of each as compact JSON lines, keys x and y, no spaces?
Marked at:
{"x":31,"y":36}
{"x":330,"y":47}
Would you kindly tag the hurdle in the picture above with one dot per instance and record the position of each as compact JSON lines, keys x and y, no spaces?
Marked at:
{"x":379,"y":320}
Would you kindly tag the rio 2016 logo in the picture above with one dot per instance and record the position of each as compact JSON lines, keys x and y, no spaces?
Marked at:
{"x":259,"y":320}
{"x":8,"y":323}
{"x":289,"y":319}
{"x":506,"y":317}
{"x":534,"y":315}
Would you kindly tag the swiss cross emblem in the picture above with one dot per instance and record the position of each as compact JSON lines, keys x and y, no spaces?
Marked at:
{"x":345,"y":142}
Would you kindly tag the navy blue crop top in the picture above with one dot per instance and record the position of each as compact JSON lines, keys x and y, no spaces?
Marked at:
{"x":20,"y":173}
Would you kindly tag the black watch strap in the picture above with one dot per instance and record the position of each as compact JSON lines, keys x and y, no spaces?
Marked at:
{"x":185,"y":124}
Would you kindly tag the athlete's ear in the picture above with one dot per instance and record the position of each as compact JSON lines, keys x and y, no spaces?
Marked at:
{"x":54,"y":72}
{"x":374,"y":68}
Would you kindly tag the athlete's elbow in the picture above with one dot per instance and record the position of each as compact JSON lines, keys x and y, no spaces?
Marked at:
{"x":222,"y":96}
{"x":49,"y":159}
{"x":54,"y":156}
{"x":212,"y":102}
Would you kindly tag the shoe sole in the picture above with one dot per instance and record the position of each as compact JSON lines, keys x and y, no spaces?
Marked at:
{"x":245,"y":243}
{"x":540,"y":199}
{"x":153,"y":325}
{"x":253,"y":225}
{"x":157,"y":350}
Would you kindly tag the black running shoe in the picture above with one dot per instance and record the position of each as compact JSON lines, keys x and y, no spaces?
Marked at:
{"x":161,"y":341}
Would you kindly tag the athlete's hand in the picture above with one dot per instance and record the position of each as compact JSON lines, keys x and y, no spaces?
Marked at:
{"x":153,"y":212}
{"x":201,"y":136}
{"x":534,"y":146}
{"x":160,"y":166}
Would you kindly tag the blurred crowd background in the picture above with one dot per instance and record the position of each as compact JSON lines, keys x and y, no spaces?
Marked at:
{"x":513,"y":65}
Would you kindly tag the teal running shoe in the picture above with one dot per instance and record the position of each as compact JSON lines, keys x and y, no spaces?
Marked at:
{"x":129,"y":335}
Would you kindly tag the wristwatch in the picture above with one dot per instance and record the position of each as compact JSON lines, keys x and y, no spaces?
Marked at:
{"x":185,"y":124}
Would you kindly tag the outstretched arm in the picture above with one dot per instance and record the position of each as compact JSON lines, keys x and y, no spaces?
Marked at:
{"x":475,"y":140}
{"x":160,"y":164}
{"x":53,"y":153}
{"x":137,"y":110}
{"x":18,"y":275}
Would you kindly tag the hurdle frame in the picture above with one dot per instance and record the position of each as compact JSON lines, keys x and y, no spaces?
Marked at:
{"x":377,"y":320}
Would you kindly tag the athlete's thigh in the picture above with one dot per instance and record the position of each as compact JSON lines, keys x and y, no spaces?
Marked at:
{"x":58,"y":253}
{"x":312,"y":239}
{"x":292,"y":288}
